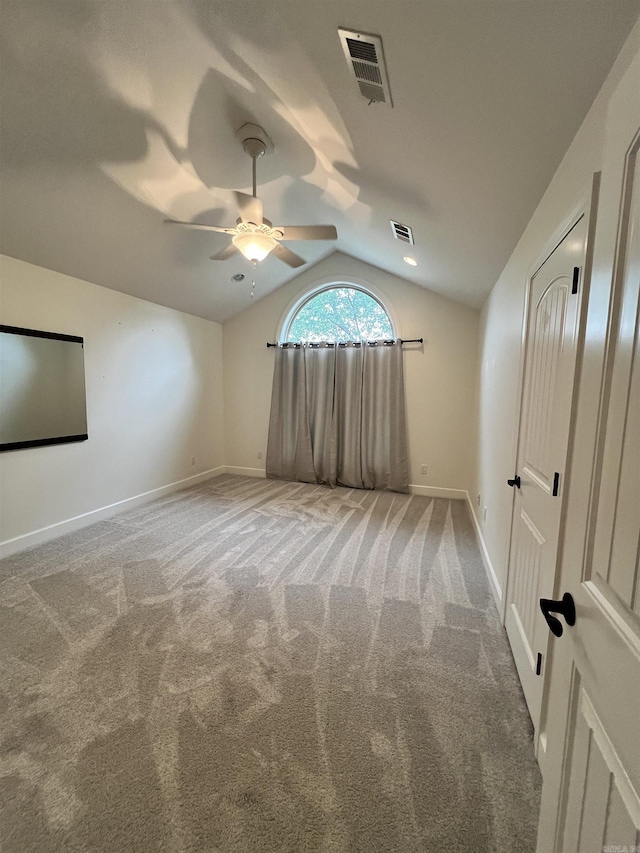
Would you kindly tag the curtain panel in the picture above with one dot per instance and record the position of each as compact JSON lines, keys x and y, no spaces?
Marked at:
{"x":338,"y":416}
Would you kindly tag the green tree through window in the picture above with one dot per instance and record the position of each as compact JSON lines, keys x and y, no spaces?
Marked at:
{"x":340,"y":314}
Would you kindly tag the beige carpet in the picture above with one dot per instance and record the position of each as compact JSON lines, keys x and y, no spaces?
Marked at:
{"x":253,"y":665}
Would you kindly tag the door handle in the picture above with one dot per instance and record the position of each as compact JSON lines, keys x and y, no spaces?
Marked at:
{"x":515,"y":482}
{"x":565,"y":607}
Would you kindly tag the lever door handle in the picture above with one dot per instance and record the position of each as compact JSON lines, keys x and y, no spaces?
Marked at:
{"x":515,"y":482}
{"x":565,"y":607}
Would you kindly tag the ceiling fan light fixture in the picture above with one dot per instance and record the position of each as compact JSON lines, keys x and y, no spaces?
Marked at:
{"x":255,"y":247}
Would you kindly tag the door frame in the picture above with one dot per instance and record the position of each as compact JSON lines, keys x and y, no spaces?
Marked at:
{"x":586,"y":207}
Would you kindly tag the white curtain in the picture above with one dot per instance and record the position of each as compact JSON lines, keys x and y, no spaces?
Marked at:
{"x":338,"y":416}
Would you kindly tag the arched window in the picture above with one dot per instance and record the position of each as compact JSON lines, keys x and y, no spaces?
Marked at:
{"x":339,"y":313}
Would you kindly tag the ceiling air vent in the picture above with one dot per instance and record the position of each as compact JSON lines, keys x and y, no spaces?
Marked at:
{"x":365,"y":59}
{"x":401,"y":232}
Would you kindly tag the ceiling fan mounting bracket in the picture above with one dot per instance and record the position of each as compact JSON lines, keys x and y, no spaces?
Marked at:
{"x":254,"y":140}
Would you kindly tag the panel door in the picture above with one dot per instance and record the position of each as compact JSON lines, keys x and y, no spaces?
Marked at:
{"x":591,"y":790}
{"x":554,"y":306}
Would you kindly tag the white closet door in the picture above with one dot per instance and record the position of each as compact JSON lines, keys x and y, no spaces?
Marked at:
{"x":555,"y":294}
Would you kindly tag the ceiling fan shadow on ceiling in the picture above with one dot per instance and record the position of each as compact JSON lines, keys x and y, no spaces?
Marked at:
{"x":254,"y":236}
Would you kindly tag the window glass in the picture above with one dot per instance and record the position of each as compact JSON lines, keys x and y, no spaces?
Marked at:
{"x":340,"y":314}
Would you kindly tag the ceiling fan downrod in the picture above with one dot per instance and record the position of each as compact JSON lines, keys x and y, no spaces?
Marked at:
{"x":254,"y":148}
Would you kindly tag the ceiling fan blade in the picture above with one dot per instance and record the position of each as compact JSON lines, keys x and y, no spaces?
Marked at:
{"x":288,"y":256}
{"x":307,"y":232}
{"x":250,"y":208}
{"x":225,"y":253}
{"x":200,"y":227}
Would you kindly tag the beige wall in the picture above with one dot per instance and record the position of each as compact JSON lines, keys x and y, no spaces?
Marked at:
{"x":439,"y":381}
{"x":154,"y":399}
{"x":501,"y":321}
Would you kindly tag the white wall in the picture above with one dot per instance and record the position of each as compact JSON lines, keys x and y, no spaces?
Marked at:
{"x":501,"y":321}
{"x":154,"y":400}
{"x":440,"y":381}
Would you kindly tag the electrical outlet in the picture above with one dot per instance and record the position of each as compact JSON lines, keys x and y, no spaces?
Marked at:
{"x":484,"y":513}
{"x":193,"y":460}
{"x":259,"y":454}
{"x":423,"y":469}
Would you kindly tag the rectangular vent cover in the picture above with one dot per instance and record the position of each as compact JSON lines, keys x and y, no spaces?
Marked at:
{"x":365,"y":59}
{"x":401,"y":232}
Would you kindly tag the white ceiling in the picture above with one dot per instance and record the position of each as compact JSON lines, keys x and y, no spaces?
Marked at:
{"x":118,"y":114}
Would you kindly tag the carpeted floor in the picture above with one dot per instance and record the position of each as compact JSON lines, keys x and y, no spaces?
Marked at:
{"x":252,"y":665}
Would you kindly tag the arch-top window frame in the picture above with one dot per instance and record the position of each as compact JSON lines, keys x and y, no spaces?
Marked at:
{"x":317,"y":289}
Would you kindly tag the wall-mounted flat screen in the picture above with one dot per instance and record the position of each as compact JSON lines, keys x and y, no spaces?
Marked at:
{"x":42,"y":391}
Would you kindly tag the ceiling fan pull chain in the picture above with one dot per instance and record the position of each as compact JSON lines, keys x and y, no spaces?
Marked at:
{"x":253,"y":277}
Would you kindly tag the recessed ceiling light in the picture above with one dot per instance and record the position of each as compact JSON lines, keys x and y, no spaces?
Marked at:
{"x":237,"y":277}
{"x":411,"y":261}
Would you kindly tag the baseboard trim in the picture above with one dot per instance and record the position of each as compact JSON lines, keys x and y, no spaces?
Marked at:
{"x":496,"y":589}
{"x":426,"y":491}
{"x":53,"y":531}
{"x":245,"y":472}
{"x":437,"y":492}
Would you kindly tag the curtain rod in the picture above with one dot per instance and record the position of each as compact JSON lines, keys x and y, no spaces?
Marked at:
{"x":386,"y":343}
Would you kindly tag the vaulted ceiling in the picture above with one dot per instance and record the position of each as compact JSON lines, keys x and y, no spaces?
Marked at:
{"x":116,"y":115}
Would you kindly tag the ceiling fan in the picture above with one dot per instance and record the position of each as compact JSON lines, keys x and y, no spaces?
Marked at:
{"x":254,"y":236}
